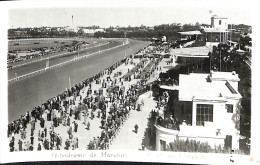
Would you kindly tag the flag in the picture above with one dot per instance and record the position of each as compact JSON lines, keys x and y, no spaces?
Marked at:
{"x":210,"y":12}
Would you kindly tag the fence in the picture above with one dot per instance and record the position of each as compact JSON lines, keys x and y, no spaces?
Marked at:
{"x":58,"y":55}
{"x":60,"y":64}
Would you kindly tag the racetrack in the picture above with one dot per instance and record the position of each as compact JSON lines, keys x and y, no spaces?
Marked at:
{"x":41,"y":45}
{"x":53,"y":61}
{"x":27,"y":44}
{"x":24,"y":95}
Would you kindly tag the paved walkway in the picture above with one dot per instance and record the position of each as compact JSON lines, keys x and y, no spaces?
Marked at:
{"x":127,"y":139}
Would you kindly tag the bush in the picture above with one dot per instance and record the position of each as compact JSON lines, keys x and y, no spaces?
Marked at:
{"x":194,"y":146}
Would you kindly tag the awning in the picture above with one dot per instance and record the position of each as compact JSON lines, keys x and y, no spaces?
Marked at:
{"x":169,"y":87}
{"x":200,"y":52}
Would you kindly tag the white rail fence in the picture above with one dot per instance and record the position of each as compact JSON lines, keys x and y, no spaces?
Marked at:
{"x":60,"y":64}
{"x":63,"y":54}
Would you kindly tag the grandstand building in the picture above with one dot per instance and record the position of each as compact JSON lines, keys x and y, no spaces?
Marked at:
{"x":208,"y":108}
{"x":216,"y":33}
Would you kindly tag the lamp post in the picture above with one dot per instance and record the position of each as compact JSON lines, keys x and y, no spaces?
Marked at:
{"x":69,"y":83}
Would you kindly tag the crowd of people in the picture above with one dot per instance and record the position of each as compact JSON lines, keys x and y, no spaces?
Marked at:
{"x":121,"y":105}
{"x":160,"y":116}
{"x":59,"y":111}
{"x":111,"y":103}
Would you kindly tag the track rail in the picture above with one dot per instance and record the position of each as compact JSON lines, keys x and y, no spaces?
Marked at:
{"x":60,"y":64}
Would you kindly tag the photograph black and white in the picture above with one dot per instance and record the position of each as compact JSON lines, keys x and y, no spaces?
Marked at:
{"x":173,"y":80}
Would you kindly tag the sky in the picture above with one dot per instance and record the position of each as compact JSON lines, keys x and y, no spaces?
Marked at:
{"x":121,"y":16}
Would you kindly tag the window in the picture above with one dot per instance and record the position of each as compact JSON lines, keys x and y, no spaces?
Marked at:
{"x":219,"y":22}
{"x":229,"y":108}
{"x":204,"y":113}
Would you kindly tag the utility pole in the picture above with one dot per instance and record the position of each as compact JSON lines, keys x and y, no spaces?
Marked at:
{"x":210,"y":62}
{"x":220,"y":61}
{"x":230,"y":35}
{"x":210,"y":54}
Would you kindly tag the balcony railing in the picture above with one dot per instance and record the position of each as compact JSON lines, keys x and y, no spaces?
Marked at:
{"x":167,"y":123}
{"x":188,"y":130}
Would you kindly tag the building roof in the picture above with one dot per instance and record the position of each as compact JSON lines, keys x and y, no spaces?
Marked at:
{"x":201,"y":51}
{"x":88,"y":31}
{"x":222,"y":76}
{"x":167,"y":87}
{"x":216,"y":17}
{"x":196,"y":32}
{"x":196,"y":86}
{"x":215,"y":30}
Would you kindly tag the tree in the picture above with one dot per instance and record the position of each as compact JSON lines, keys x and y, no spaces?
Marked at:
{"x":231,"y":61}
{"x":197,"y":25}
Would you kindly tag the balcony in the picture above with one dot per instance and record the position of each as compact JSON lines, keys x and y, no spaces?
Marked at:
{"x":188,"y":131}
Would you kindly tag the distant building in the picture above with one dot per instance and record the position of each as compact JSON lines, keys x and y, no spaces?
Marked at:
{"x":89,"y":32}
{"x":150,"y":28}
{"x":217,"y":33}
{"x":20,"y":34}
{"x":164,"y":39}
{"x":208,"y":108}
{"x":99,"y":30}
{"x":214,"y":34}
{"x":219,"y":23}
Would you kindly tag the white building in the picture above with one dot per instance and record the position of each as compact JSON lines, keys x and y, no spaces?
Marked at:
{"x":91,"y":32}
{"x":219,"y":23}
{"x":218,"y":32}
{"x":214,"y":34}
{"x":209,"y":104}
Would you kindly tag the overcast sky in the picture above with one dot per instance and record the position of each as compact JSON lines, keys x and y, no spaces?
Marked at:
{"x":105,"y":17}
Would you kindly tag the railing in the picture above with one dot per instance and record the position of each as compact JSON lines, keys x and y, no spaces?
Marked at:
{"x":42,"y":59}
{"x":59,"y":65}
{"x":191,"y":131}
{"x":167,"y":124}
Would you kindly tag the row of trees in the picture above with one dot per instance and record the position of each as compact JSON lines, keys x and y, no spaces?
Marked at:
{"x":40,"y":33}
{"x":223,"y":60}
{"x":168,"y":30}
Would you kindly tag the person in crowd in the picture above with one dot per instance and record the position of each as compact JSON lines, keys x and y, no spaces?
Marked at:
{"x":39,"y":147}
{"x":20,"y":144}
{"x":136,"y":128}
